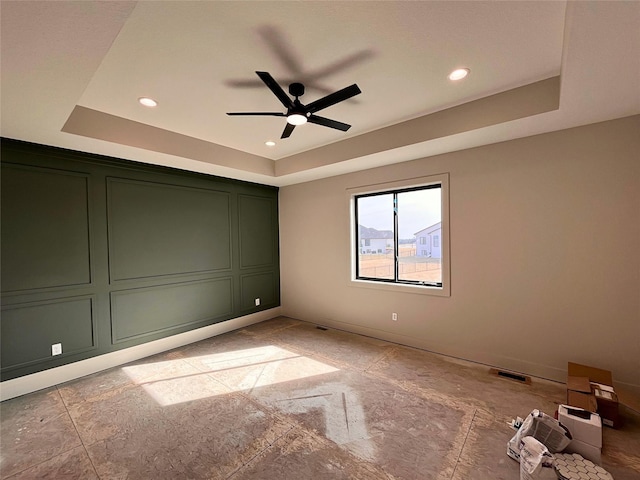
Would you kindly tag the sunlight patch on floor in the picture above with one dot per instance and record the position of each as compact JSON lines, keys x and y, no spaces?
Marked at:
{"x":188,"y":379}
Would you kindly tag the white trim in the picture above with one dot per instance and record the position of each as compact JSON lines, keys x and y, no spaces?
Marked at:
{"x":443,"y":180}
{"x":401,"y":287}
{"x":489,"y":359}
{"x":54,"y":376}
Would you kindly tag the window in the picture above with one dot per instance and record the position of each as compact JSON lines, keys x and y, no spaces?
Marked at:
{"x":405,"y":214}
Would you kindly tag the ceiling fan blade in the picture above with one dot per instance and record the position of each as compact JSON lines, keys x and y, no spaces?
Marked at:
{"x":277,"y":90}
{"x":333,"y":98}
{"x":346,"y":62}
{"x":268,"y":114}
{"x":327,"y":122}
{"x":287,"y":130}
{"x":281,"y":46}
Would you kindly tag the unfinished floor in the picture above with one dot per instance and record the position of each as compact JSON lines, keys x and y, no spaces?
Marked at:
{"x":284,"y":400}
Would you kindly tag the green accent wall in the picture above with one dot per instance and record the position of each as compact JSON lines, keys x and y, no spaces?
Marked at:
{"x":101,"y":254}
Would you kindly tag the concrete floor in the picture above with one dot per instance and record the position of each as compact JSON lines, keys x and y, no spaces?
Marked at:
{"x":284,"y":400}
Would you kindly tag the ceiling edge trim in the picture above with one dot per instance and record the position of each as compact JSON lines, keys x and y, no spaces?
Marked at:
{"x":532,"y":99}
{"x":103,"y":126}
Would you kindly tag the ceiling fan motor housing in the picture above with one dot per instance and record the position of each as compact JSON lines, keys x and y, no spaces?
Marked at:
{"x":296,"y":89}
{"x":297,"y":113}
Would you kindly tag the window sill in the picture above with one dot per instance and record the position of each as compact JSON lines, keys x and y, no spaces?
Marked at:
{"x":443,"y":291}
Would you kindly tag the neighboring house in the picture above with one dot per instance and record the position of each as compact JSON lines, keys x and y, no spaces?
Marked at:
{"x":374,"y":241}
{"x":429,"y":240}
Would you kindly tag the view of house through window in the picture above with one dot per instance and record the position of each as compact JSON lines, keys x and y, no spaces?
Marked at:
{"x":398,"y":235}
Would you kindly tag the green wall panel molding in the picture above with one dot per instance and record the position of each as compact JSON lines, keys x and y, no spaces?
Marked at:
{"x":258,"y":215}
{"x":29,"y":330}
{"x":45,"y":219}
{"x":263,"y":286}
{"x":139,"y":312}
{"x":157,"y":229}
{"x":101,"y":254}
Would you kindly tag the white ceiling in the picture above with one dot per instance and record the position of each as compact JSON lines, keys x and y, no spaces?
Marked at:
{"x":72,"y":73}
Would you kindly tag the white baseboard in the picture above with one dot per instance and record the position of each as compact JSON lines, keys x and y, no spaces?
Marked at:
{"x":54,"y":376}
{"x":511,"y":364}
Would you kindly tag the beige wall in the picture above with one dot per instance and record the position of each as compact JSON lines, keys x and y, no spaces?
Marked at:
{"x":545,"y":244}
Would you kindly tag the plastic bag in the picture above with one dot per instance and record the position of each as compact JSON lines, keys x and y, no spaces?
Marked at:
{"x":535,"y":460}
{"x":547,"y":430}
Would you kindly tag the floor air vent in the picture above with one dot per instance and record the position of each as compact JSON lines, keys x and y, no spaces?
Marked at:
{"x":511,"y":376}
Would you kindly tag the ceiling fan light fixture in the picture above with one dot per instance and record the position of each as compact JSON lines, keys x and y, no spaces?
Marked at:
{"x":299,"y":114}
{"x":459,"y":74}
{"x":296,"y":119}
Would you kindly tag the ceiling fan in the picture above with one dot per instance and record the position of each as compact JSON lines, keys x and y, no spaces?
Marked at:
{"x":299,"y":114}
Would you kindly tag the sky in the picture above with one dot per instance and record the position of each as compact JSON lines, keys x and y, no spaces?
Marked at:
{"x":416,"y":210}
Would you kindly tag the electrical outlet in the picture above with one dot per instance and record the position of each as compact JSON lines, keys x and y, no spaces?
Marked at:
{"x":56,"y":349}
{"x":257,"y":302}
{"x":394,"y":317}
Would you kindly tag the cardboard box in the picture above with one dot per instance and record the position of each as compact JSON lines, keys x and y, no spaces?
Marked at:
{"x":579,"y":394}
{"x":584,"y":426}
{"x":608,"y":406}
{"x":587,"y":451}
{"x":586,"y":401}
{"x":586,"y":431}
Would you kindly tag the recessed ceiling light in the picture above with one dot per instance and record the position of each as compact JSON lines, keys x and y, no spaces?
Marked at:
{"x":147,"y":102}
{"x":270,"y":143}
{"x":459,"y":74}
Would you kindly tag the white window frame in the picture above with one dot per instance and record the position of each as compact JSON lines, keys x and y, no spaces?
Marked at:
{"x":445,"y":289}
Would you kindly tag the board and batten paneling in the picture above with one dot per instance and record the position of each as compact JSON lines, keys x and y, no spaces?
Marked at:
{"x":158,"y":229}
{"x":101,"y":254}
{"x":258,"y":286}
{"x":257,"y":215}
{"x":69,"y":321}
{"x":140,"y":312}
{"x":45,"y":241}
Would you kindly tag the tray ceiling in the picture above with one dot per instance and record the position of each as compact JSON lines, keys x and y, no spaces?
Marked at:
{"x":72,"y":73}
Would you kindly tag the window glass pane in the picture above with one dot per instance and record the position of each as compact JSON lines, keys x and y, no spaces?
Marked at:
{"x":401,"y":236}
{"x":375,"y":236}
{"x":419,"y":230}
